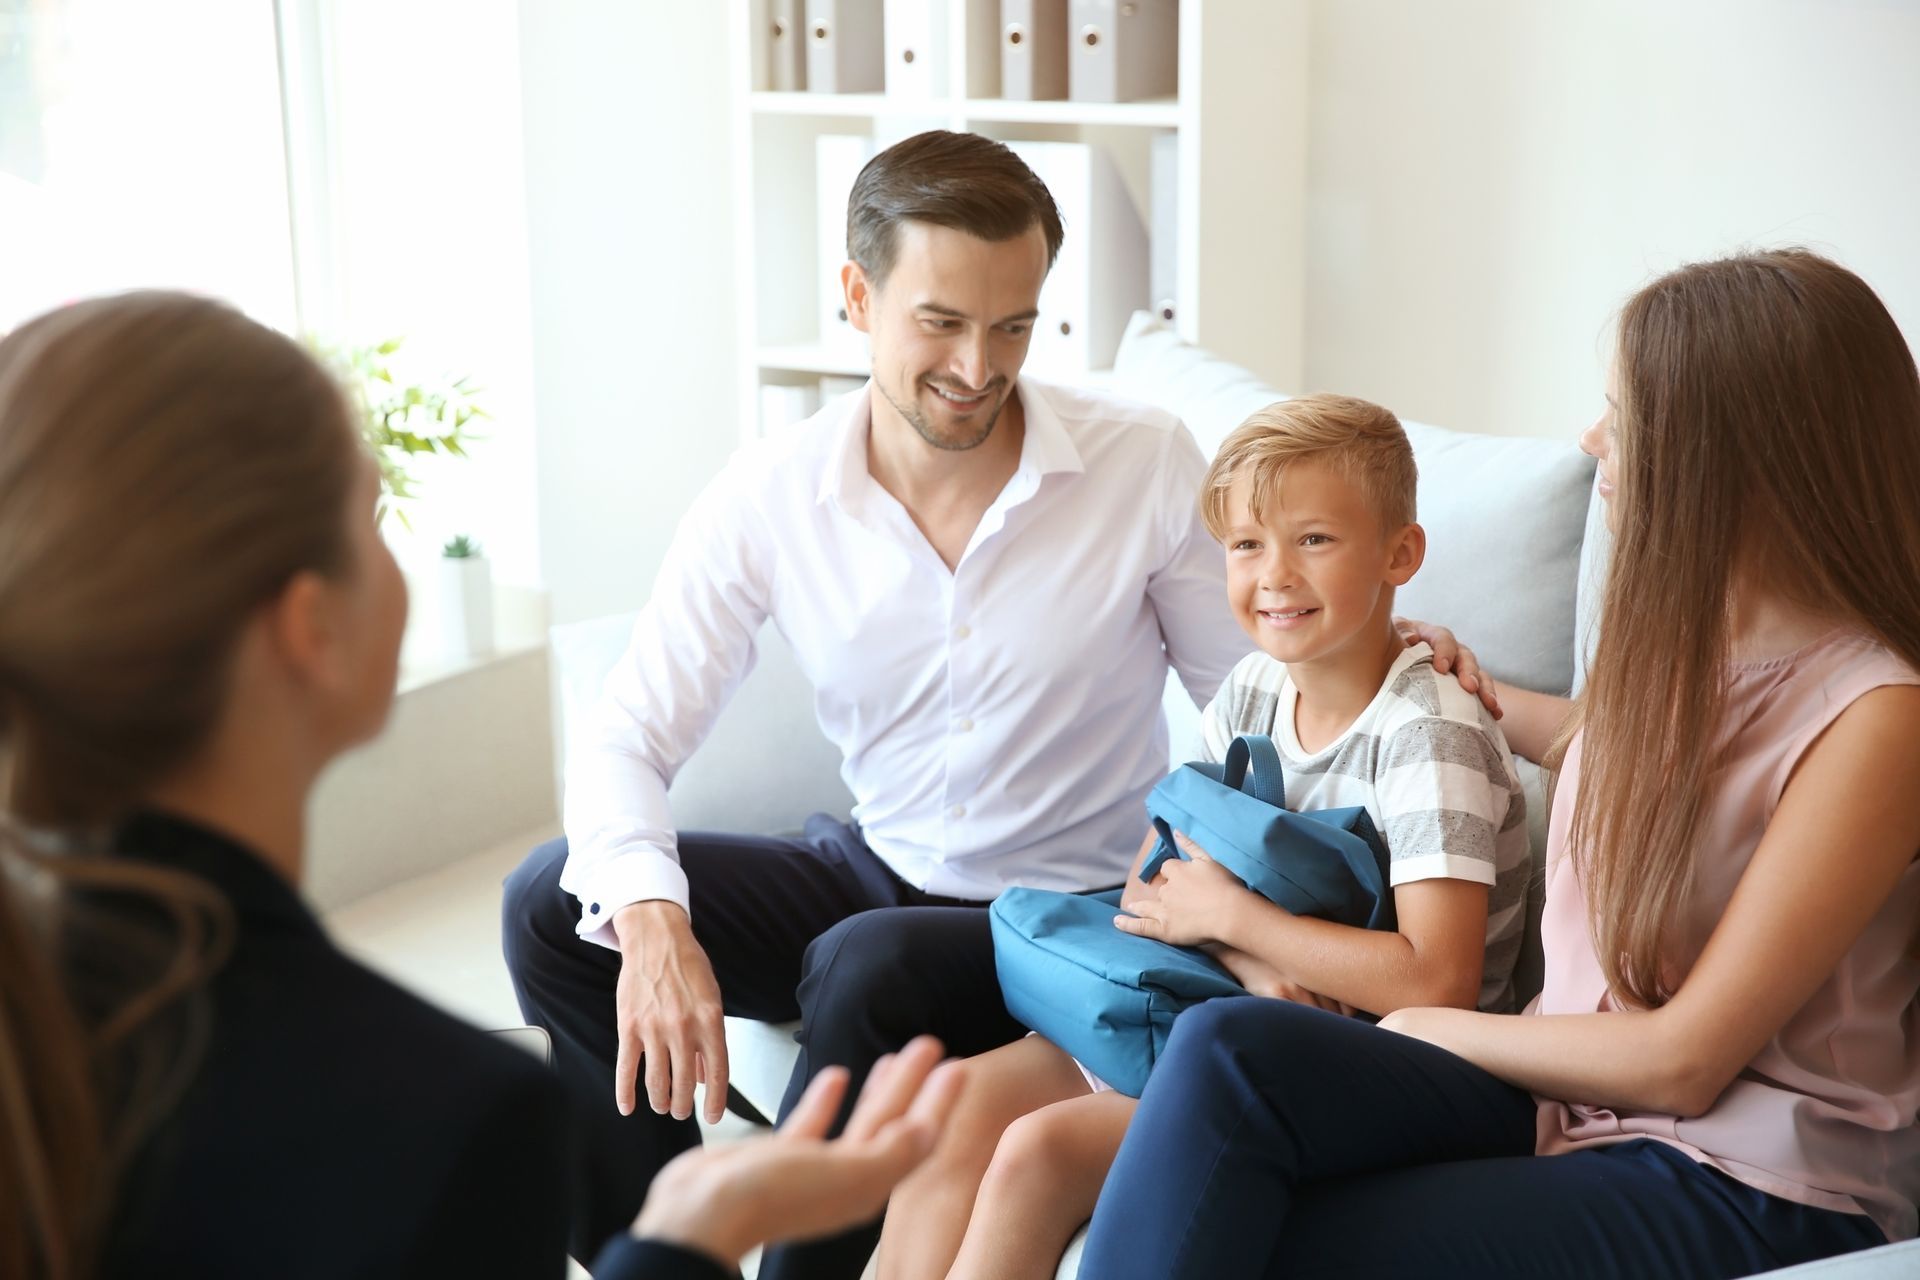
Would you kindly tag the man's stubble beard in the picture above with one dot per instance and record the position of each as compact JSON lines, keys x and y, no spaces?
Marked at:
{"x":924,"y":428}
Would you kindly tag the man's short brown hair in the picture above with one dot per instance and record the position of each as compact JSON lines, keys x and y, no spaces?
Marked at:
{"x":958,"y":180}
{"x":1359,"y":439}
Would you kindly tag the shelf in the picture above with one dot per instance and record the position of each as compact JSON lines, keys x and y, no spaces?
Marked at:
{"x":1162,"y":114}
{"x":811,"y":357}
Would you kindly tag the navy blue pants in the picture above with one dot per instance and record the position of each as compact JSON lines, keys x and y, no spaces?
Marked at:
{"x":816,"y":928}
{"x":1275,"y":1139}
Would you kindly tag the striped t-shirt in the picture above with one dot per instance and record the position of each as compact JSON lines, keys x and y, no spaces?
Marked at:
{"x":1433,"y":771}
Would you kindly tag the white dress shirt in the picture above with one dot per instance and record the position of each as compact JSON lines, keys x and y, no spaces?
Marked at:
{"x":999,"y":723}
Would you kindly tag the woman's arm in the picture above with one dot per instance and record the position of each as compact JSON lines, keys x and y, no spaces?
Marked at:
{"x":1846,"y":829}
{"x":1531,"y":720}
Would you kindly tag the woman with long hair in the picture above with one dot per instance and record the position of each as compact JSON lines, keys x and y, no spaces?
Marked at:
{"x":1722,"y":1072}
{"x":197,"y":614}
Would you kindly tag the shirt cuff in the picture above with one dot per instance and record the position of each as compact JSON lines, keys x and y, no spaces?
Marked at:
{"x":1439,"y":866}
{"x":641,"y":876}
{"x":625,"y":1258}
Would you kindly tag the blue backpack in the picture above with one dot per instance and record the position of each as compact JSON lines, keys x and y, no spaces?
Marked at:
{"x":1109,"y":998}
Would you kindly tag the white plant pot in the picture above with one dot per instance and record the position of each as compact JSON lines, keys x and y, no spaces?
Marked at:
{"x":466,"y":607}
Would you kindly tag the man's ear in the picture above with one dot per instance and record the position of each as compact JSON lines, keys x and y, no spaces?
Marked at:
{"x":1406,"y":551}
{"x":303,"y":630}
{"x":859,"y":296}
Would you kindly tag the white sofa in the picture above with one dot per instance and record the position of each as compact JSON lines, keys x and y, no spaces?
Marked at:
{"x":1516,"y":548}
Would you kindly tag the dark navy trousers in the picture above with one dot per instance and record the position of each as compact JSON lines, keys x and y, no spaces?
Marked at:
{"x":816,"y":928}
{"x":1275,"y":1139}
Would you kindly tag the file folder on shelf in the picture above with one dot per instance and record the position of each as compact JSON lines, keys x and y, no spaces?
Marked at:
{"x":1163,"y":270}
{"x":1123,"y":50}
{"x":1033,"y":50}
{"x":838,"y":159}
{"x":1100,"y":278}
{"x":844,"y":49}
{"x":784,"y":40}
{"x":917,"y":57}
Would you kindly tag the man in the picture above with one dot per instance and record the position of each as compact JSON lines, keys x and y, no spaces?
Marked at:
{"x":985,"y":578}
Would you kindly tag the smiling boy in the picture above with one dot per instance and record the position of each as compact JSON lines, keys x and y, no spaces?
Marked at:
{"x":1312,"y":500}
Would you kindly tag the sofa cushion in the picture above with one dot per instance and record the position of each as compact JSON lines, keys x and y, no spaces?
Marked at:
{"x":1504,"y":515}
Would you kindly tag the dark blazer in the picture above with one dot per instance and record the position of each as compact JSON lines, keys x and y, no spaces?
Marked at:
{"x":337,"y":1126}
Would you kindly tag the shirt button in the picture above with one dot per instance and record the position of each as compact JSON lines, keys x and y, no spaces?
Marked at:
{"x":962,"y":631}
{"x":594,"y":909}
{"x":965,"y":725}
{"x":959,"y":811}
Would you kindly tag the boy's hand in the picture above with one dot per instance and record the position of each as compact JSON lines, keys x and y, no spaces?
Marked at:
{"x":1192,"y":900}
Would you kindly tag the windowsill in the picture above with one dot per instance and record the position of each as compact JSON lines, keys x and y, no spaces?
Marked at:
{"x":420,"y":673}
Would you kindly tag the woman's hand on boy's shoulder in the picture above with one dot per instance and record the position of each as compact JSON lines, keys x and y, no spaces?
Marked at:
{"x":1450,"y":655}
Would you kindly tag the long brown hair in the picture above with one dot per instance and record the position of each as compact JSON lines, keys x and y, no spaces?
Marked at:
{"x":1767,"y":435}
{"x":166,"y":465}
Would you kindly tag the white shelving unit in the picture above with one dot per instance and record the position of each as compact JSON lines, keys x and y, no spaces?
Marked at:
{"x":1240,"y":125}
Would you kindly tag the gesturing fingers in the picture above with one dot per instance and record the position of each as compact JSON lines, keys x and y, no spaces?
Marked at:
{"x":892,"y":1087}
{"x":813,"y":1115}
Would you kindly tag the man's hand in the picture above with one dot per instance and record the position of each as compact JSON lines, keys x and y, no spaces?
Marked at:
{"x":1450,"y":655}
{"x":667,"y":1006}
{"x":796,"y":1185}
{"x":1191,"y":900}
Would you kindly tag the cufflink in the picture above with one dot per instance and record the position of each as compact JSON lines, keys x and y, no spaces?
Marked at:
{"x":594,"y":909}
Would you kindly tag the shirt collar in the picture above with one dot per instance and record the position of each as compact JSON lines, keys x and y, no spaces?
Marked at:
{"x":1047,"y":449}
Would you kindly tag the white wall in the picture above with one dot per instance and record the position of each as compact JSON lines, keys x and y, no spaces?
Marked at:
{"x":629,"y":214}
{"x":1491,"y":178}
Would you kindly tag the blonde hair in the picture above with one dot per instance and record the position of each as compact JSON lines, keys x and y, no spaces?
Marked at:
{"x":1363,"y":442}
{"x":166,"y":465}
{"x":1767,"y":431}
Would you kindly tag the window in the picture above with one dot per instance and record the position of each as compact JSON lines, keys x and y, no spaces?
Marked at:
{"x":141,"y":146}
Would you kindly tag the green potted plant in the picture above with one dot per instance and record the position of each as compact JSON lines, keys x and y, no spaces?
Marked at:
{"x":466,"y":599}
{"x":402,"y":419}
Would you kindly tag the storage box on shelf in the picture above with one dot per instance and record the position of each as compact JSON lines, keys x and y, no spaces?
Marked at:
{"x":1190,"y":172}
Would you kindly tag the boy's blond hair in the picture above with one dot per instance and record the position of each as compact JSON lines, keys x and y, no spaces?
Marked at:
{"x":1359,"y":439}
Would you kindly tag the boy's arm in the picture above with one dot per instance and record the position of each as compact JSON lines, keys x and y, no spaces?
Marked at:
{"x":1435,"y":958}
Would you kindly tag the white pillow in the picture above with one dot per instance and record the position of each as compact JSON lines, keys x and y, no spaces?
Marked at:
{"x":1505,"y":515}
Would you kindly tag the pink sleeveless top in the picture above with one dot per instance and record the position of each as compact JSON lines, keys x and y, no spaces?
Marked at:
{"x":1826,"y":1114}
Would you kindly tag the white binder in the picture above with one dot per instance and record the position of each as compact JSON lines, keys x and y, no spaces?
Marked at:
{"x":844,"y":46}
{"x":1033,"y":50}
{"x":1163,"y":262}
{"x":786,"y":45}
{"x":1123,"y":50}
{"x":1100,"y":278}
{"x":838,"y":159}
{"x":918,"y":62}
